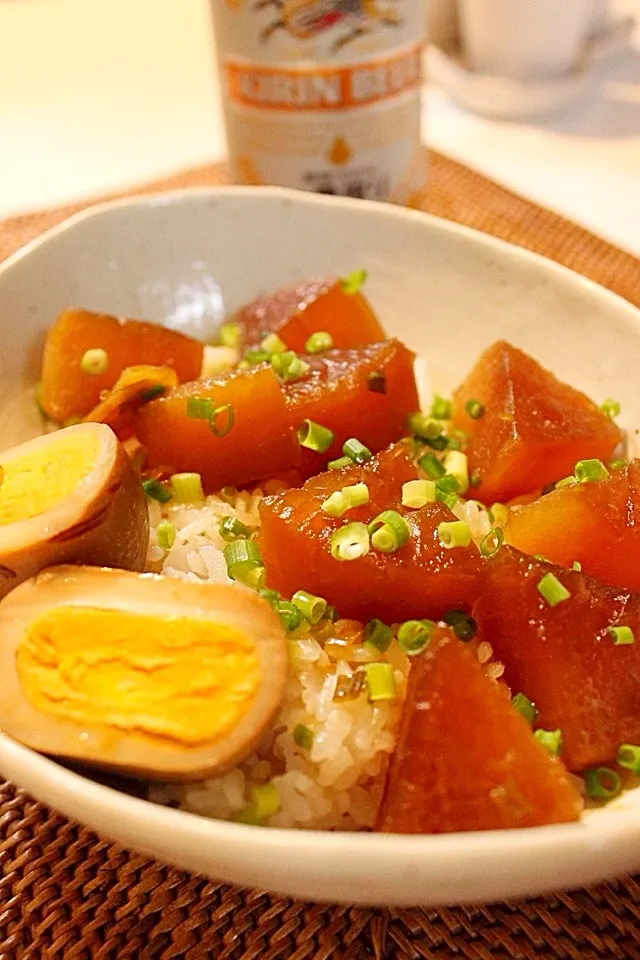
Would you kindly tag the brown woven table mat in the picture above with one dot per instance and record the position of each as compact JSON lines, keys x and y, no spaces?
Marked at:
{"x":66,"y":893}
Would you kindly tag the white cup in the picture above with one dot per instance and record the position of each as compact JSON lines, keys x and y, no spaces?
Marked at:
{"x":524,"y":39}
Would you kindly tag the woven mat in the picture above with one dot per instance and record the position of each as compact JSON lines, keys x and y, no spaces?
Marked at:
{"x":66,"y":893}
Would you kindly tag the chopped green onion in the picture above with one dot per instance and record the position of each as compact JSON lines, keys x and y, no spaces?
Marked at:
{"x":319,"y":341}
{"x":265,"y":800}
{"x":331,"y":613}
{"x":376,"y":382}
{"x":464,"y":626}
{"x":289,"y":366}
{"x":601,"y":783}
{"x":356,"y":451}
{"x":432,"y":466}
{"x":437,"y":443}
{"x":453,"y":442}
{"x":273,"y":344}
{"x":311,"y":607}
{"x":618,"y":464}
{"x":151,"y":393}
{"x":427,"y":428}
{"x":94,"y":361}
{"x":353,"y":281}
{"x":199,"y":408}
{"x":302,"y":736}
{"x":629,"y":757}
{"x":230,"y":334}
{"x":271,"y":596}
{"x":340,"y":463}
{"x":621,"y":636}
{"x":388,"y":531}
{"x":314,"y":436}
{"x":222,"y":420}
{"x":417,"y":493}
{"x":440,"y":408}
{"x":346,"y":499}
{"x":500,"y":514}
{"x":474,"y":409}
{"x":350,"y":542}
{"x":551,"y":740}
{"x":378,"y":635}
{"x":254,"y":357}
{"x":590,"y":470}
{"x":156,"y":490}
{"x":490,"y":544}
{"x":456,"y":465}
{"x":231,"y":529}
{"x":187,"y":487}
{"x":454,"y":534}
{"x":566,"y":482}
{"x":381,"y":682}
{"x":289,"y":614}
{"x":526,"y":707}
{"x":447,"y":484}
{"x":552,"y":590}
{"x":166,"y":534}
{"x":610,"y":407}
{"x":244,"y":563}
{"x":576,"y":566}
{"x":414,"y":636}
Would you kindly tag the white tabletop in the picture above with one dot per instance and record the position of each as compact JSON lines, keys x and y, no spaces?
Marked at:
{"x":98,"y":96}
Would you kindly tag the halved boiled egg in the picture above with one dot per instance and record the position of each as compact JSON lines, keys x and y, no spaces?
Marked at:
{"x":70,"y":496}
{"x":149,"y":675}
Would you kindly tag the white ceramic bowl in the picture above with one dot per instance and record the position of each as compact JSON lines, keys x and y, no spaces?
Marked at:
{"x":448,"y":292}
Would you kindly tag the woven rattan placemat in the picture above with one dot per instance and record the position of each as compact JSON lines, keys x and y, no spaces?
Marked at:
{"x":66,"y":893}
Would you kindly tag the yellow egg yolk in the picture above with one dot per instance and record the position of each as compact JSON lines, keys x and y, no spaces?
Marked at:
{"x":36,"y":482}
{"x":179,"y":678}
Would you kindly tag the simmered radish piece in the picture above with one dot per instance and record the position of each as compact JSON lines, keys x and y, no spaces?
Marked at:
{"x":465,"y":758}
{"x":322,"y":305}
{"x":70,"y":496}
{"x":526,"y":428}
{"x":421,"y":578}
{"x":596,"y":523}
{"x":134,"y":386}
{"x":72,"y":382}
{"x":558,"y":633}
{"x":231,"y":429}
{"x":147,"y":675}
{"x":366,"y":393}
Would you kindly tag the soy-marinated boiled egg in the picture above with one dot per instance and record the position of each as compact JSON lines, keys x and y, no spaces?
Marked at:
{"x":145,"y":674}
{"x":70,"y":496}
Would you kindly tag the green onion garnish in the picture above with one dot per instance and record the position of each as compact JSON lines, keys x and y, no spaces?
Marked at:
{"x":447,"y":484}
{"x":222,"y":420}
{"x":271,"y":596}
{"x":152,"y":393}
{"x":340,"y":463}
{"x":377,"y":382}
{"x":449,"y":499}
{"x":388,"y":531}
{"x":475,"y":409}
{"x":464,"y":626}
{"x":353,"y":281}
{"x":551,"y":740}
{"x":417,"y":493}
{"x":377,"y":635}
{"x":381,"y":683}
{"x":230,"y":334}
{"x":187,"y":487}
{"x":566,"y":482}
{"x":576,"y":566}
{"x":314,"y":436}
{"x":456,"y":465}
{"x":629,"y":757}
{"x":587,"y":470}
{"x":273,"y":344}
{"x":311,"y":607}
{"x":440,"y":408}
{"x":350,"y":542}
{"x":265,"y":800}
{"x":166,"y":534}
{"x":302,"y":736}
{"x":552,"y":590}
{"x":525,"y":706}
{"x":319,"y":341}
{"x":601,"y":783}
{"x":427,"y":428}
{"x":490,"y":544}
{"x":438,"y":443}
{"x":289,"y":614}
{"x":289,"y":366}
{"x":331,"y":613}
{"x":414,"y":636}
{"x":244,"y":563}
{"x":500,"y":514}
{"x":199,"y":408}
{"x":356,"y":451}
{"x":254,"y":357}
{"x":454,"y":534}
{"x":231,"y":529}
{"x":94,"y":361}
{"x":156,"y":490}
{"x":342,"y":500}
{"x":611,"y":407}
{"x":431,"y":466}
{"x":621,"y":636}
